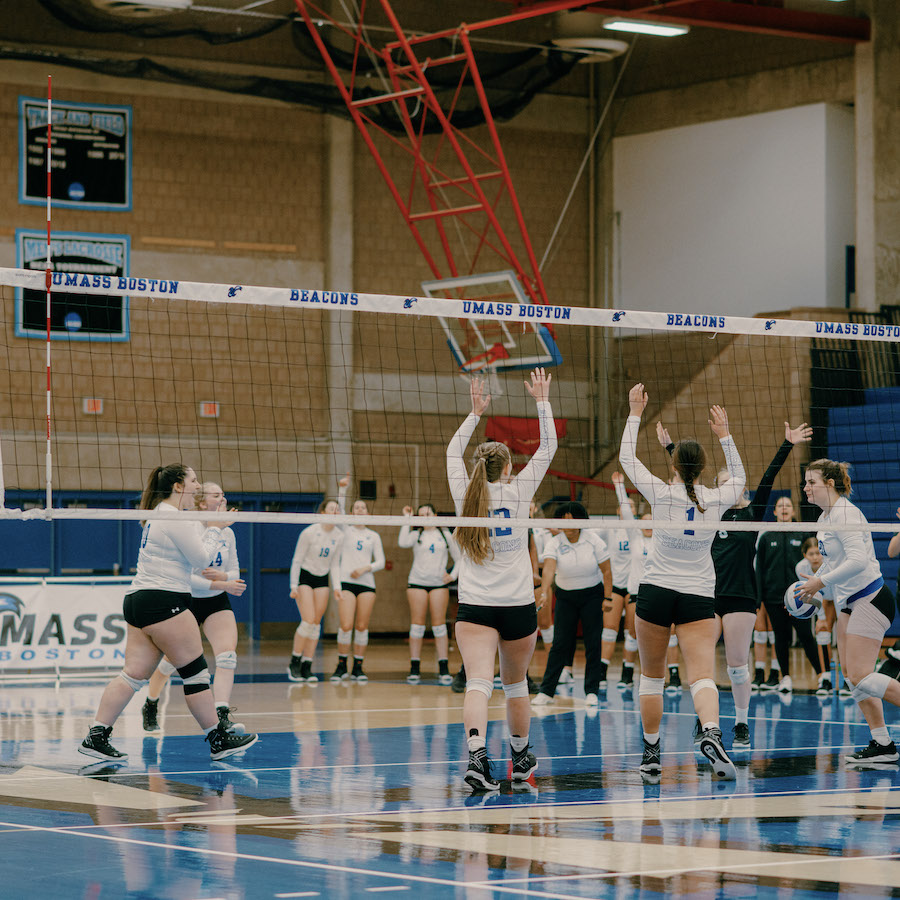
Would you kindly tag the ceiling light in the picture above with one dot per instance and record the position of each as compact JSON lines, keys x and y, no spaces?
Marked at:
{"x":640,"y":26}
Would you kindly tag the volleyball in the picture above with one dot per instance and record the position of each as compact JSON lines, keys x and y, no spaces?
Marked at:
{"x":798,"y":608}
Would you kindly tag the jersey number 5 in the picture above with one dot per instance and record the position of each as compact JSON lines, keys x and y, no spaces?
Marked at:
{"x":500,"y":532}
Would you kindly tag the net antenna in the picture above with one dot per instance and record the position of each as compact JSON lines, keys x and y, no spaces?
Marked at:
{"x":489,"y":347}
{"x":415,"y":92}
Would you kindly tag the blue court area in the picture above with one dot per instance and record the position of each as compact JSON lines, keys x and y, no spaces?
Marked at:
{"x":320,"y":810}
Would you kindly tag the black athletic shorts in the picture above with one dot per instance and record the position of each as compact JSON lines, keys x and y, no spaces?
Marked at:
{"x":204,"y":607}
{"x":664,"y":607}
{"x":356,"y":589}
{"x":313,"y":581}
{"x":147,"y":607}
{"x":883,"y":601}
{"x":621,"y":591}
{"x":427,"y":587}
{"x":511,"y":622}
{"x":725,"y":605}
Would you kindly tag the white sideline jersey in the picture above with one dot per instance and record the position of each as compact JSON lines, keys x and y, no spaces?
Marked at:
{"x":541,"y":536}
{"x":170,"y":551}
{"x":578,"y":564}
{"x":850,"y":567}
{"x":506,"y":578}
{"x":362,"y":547}
{"x":432,"y":548}
{"x":640,"y":550}
{"x":225,"y":560}
{"x":318,"y":552}
{"x":680,"y":558}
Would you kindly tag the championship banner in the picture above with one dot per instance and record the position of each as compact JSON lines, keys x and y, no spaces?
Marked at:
{"x":61,"y":624}
{"x":90,"y":160}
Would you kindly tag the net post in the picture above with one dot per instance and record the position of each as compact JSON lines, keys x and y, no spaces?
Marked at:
{"x":49,"y":464}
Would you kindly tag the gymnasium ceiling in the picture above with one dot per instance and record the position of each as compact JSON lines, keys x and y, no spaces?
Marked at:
{"x":257,"y":37}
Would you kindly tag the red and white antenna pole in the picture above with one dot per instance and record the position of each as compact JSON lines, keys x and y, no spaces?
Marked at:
{"x":49,"y":278}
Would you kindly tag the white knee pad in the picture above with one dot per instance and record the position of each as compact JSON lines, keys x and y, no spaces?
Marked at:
{"x":519,"y":689}
{"x":873,"y":685}
{"x":226,"y":660}
{"x":166,"y":667}
{"x":361,"y":638}
{"x":630,"y":642}
{"x":547,"y":635}
{"x":134,"y":683}
{"x":702,"y":684}
{"x":760,"y":637}
{"x":649,"y":686}
{"x":439,"y":631}
{"x":482,"y":685}
{"x":609,"y":635}
{"x":673,"y":640}
{"x":739,"y":674}
{"x":343,"y":637}
{"x":770,"y":637}
{"x":417,"y":631}
{"x":308,"y":630}
{"x":823,"y":638}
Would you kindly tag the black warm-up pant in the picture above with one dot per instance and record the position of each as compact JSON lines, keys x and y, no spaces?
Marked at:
{"x":782,"y":624}
{"x":586,"y":605}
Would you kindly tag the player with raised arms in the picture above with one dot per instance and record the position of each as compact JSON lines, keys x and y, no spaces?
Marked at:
{"x":362,"y":555}
{"x":864,"y":602}
{"x":317,"y":555}
{"x":496,"y":592}
{"x":158,"y":618}
{"x":679,"y":582}
{"x":427,"y":589}
{"x":210,"y":589}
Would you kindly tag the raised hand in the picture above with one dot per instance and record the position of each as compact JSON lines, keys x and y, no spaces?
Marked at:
{"x":662,"y":435}
{"x":407,"y":510}
{"x":617,"y":478}
{"x":479,"y":402}
{"x":637,"y":400}
{"x":345,"y":481}
{"x":540,"y":385}
{"x":719,"y":421}
{"x":799,"y":435}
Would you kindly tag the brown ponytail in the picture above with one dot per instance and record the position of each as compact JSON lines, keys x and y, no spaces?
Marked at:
{"x":161,"y":483}
{"x":689,"y":458}
{"x":838,"y":472}
{"x":490,"y":460}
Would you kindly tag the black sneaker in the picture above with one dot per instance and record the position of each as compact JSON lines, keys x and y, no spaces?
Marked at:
{"x":824,"y":688}
{"x":650,"y":763}
{"x":603,"y":683}
{"x":711,"y":747}
{"x":626,"y":679}
{"x":759,"y":679}
{"x":295,"y":669}
{"x":741,"y":737}
{"x":674,"y":684}
{"x":415,"y":674}
{"x":772,"y":682}
{"x":478,"y":775}
{"x":444,"y":676}
{"x":357,"y":674}
{"x":874,"y":753}
{"x":223,"y":743}
{"x":698,"y":733}
{"x":225,"y":720}
{"x":524,"y":762}
{"x":306,"y":673}
{"x":340,"y":672}
{"x":458,"y":685}
{"x":97,"y":744}
{"x":149,"y":712}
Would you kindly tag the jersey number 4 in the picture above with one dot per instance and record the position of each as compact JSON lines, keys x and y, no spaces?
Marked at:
{"x":500,"y":532}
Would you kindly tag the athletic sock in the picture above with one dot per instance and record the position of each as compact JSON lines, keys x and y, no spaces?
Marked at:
{"x":651,"y":738}
{"x":740,"y":715}
{"x":518,"y":743}
{"x":881,"y":736}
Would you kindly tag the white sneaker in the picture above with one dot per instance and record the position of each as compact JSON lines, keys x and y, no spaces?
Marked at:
{"x":785,"y":686}
{"x":591,"y":700}
{"x":566,"y":676}
{"x":541,"y":700}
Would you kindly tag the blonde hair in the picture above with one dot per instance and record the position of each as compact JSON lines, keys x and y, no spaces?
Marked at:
{"x":206,"y":488}
{"x":490,"y":459}
{"x":838,"y":472}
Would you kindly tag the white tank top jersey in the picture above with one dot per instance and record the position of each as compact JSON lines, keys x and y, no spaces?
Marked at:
{"x":432,"y":548}
{"x":640,"y":550}
{"x":362,"y":547}
{"x":849,"y":565}
{"x":506,"y":578}
{"x":680,"y":558}
{"x":225,"y":560}
{"x":170,"y":551}
{"x":804,"y":571}
{"x":318,"y":552}
{"x":578,"y":564}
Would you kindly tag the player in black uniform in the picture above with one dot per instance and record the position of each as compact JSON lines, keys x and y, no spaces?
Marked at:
{"x":733,"y":553}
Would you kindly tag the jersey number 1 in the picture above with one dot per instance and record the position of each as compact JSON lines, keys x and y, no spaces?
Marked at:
{"x":690,"y":518}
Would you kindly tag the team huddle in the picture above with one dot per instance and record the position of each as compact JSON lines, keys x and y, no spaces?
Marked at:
{"x":679,"y":587}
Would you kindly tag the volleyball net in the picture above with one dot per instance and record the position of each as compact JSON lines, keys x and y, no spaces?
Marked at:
{"x":277,"y":393}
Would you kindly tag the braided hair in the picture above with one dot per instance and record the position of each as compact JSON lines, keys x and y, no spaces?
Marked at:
{"x":689,"y":458}
{"x":490,"y":459}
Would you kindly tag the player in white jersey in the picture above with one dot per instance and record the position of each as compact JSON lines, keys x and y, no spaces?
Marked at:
{"x":317,"y":555}
{"x":211,"y":607}
{"x":496,"y":591}
{"x":158,"y":619}
{"x":864,"y":602}
{"x":427,"y":588}
{"x":825,"y":618}
{"x":679,"y":582}
{"x":622,"y":545}
{"x":362,"y":555}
